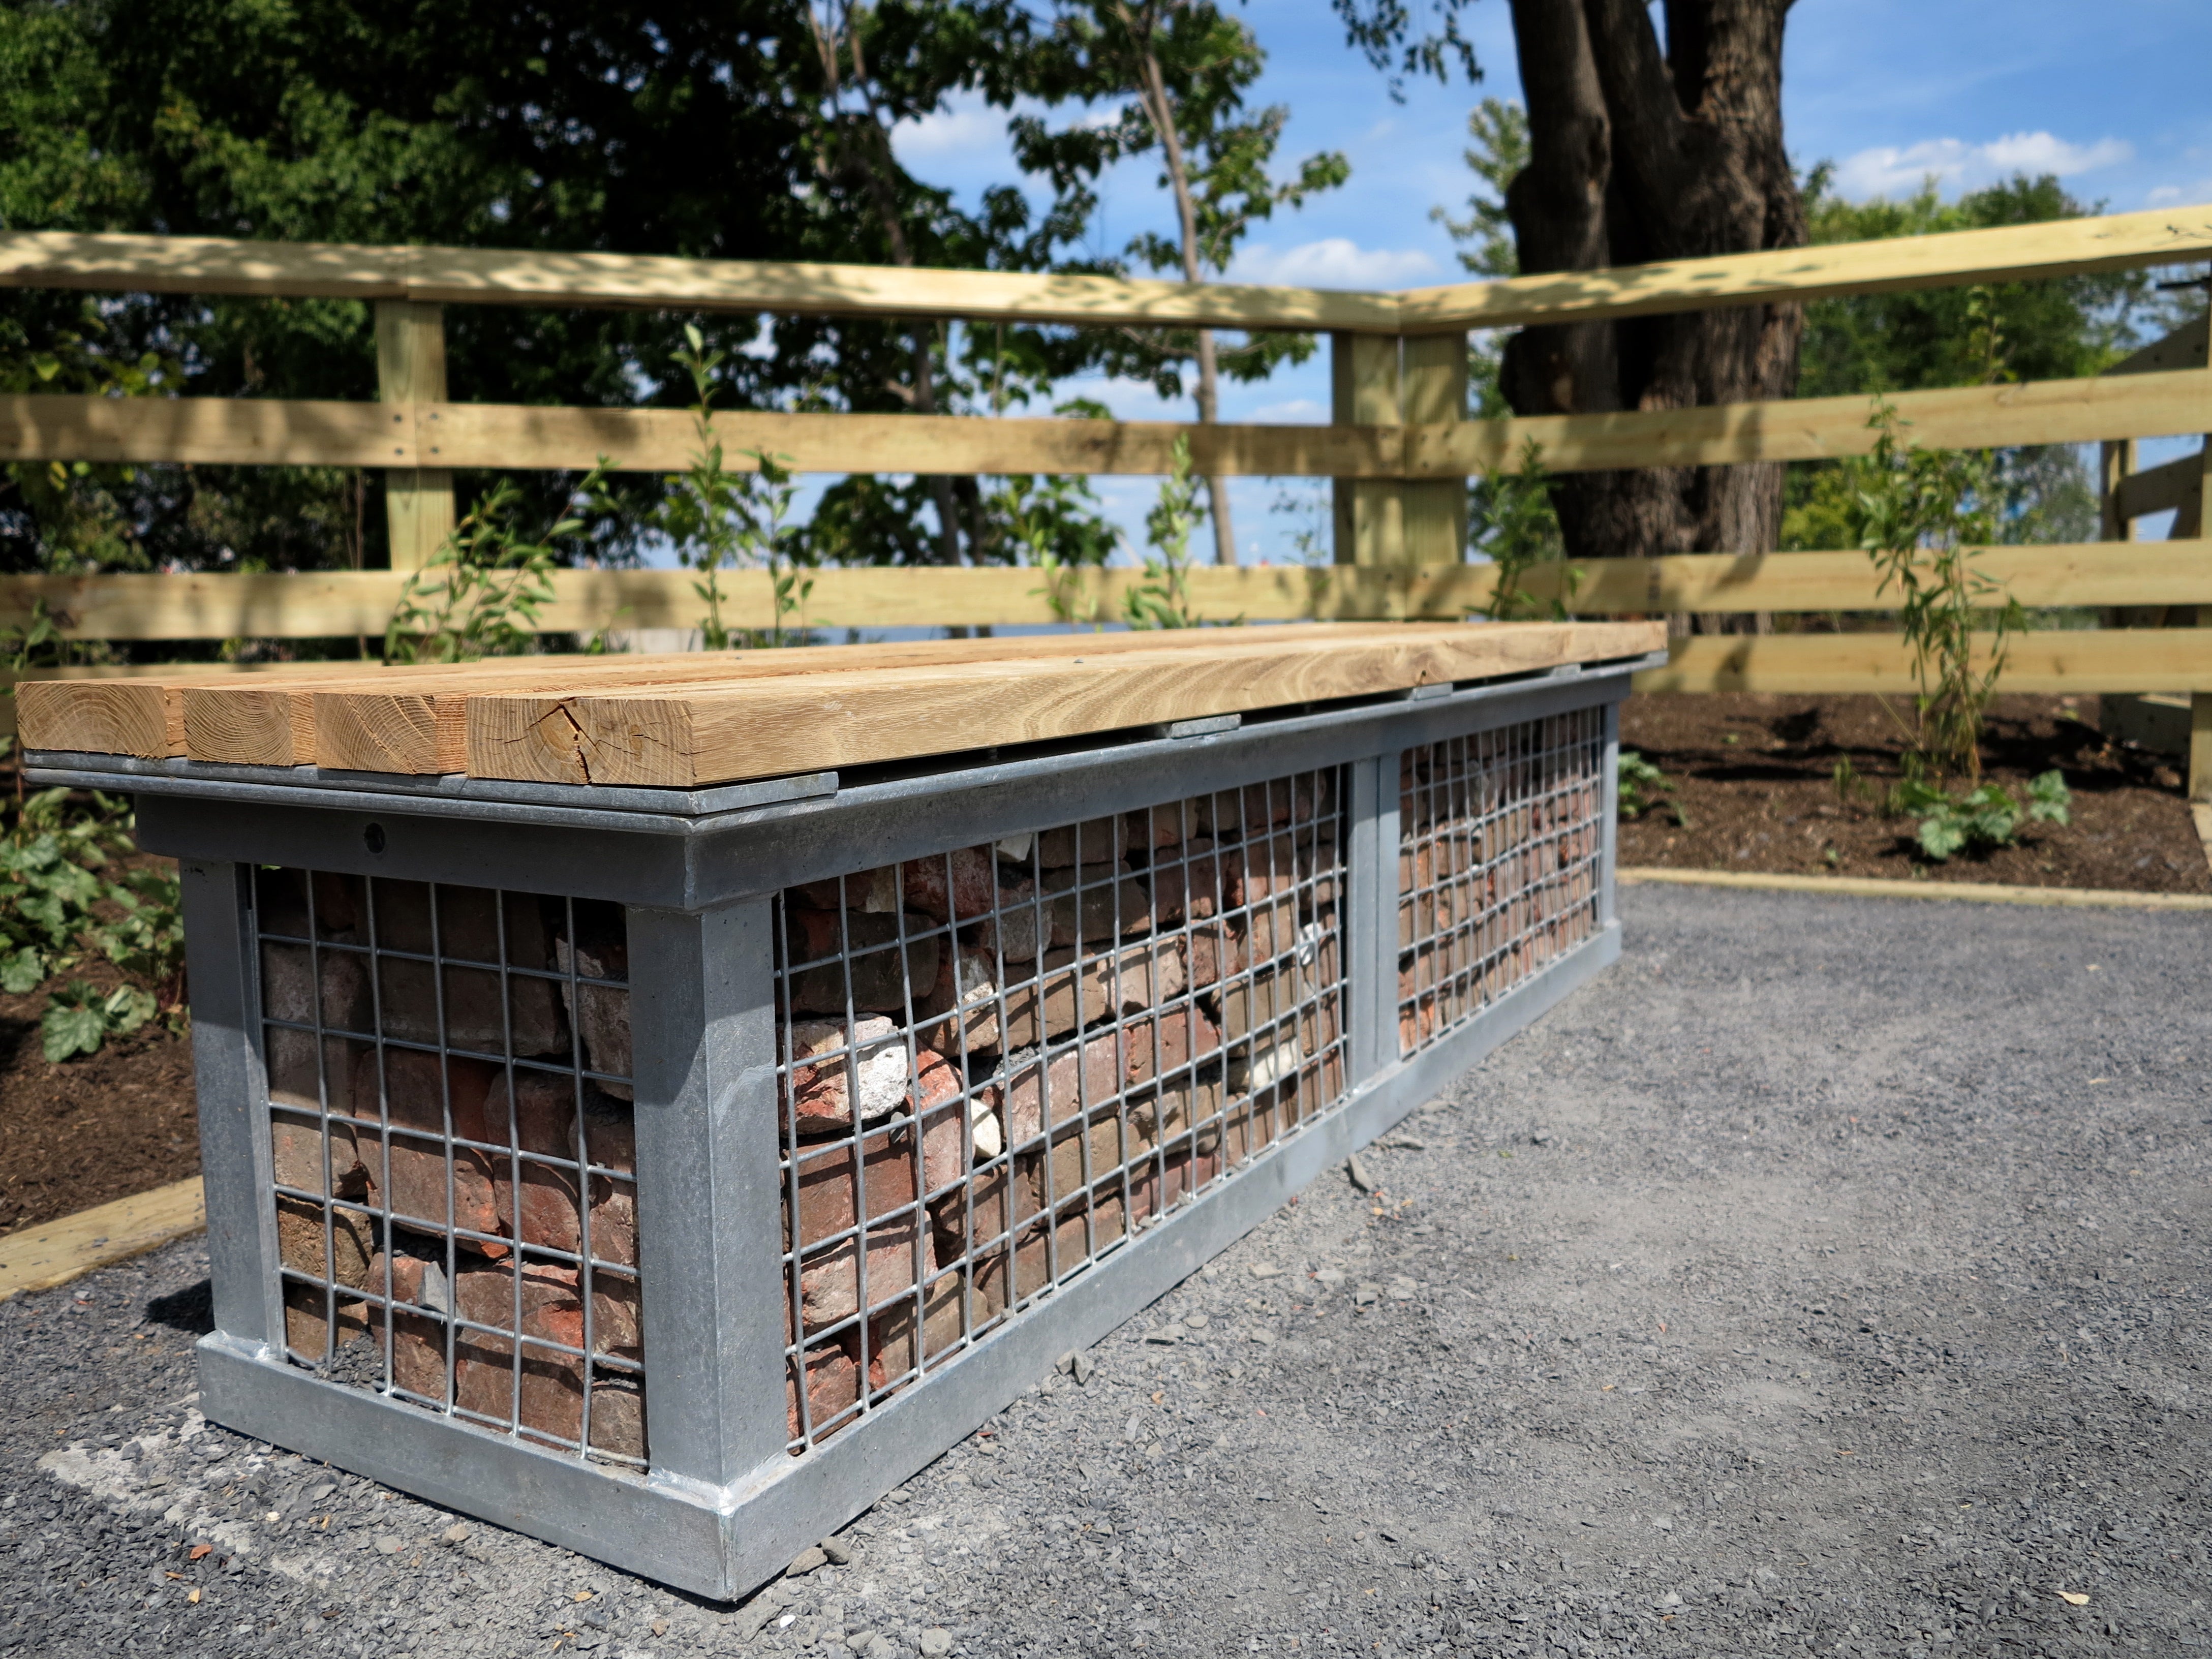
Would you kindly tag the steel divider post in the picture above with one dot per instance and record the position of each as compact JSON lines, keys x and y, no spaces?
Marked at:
{"x":1371,"y":915}
{"x":233,"y":1101}
{"x":1609,"y":812}
{"x":709,"y":1246}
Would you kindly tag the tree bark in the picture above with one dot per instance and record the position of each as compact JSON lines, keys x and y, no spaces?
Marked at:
{"x":1639,"y":153}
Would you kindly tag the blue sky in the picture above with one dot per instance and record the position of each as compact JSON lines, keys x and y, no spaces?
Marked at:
{"x":2110,"y":97}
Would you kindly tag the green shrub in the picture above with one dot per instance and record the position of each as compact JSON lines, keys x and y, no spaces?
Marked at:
{"x":1986,"y":816}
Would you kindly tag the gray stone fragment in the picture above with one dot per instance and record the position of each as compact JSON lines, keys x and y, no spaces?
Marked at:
{"x":837,"y":1550}
{"x":806,"y":1561}
{"x":1356,"y":1172}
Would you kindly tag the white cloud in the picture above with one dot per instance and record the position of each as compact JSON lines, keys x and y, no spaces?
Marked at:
{"x":2181,"y":195}
{"x":1298,"y":412}
{"x":969,"y":127}
{"x":1888,"y":170}
{"x":1333,"y":262}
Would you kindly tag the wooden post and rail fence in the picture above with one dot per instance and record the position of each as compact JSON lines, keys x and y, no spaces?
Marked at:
{"x":1398,"y":447}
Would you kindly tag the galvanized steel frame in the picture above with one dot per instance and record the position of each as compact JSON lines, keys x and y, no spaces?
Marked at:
{"x":724,"y":1506}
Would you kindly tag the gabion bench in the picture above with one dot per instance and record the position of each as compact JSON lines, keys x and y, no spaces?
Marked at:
{"x":658,"y":1104}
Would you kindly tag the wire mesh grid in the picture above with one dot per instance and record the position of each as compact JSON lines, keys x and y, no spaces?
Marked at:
{"x":1000,"y":1063}
{"x":1499,"y":860}
{"x":453,"y":1150}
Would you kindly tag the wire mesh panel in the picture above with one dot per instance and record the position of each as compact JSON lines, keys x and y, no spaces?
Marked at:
{"x":998,"y":1063}
{"x":1501,"y":843}
{"x":450,"y":1126}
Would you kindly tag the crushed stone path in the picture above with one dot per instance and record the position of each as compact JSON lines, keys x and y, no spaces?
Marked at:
{"x":1829,"y":1277}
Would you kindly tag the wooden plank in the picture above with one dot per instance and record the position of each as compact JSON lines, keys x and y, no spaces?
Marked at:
{"x":2081,"y":574}
{"x":127,"y":711}
{"x":203,"y":431}
{"x":52,"y":1252}
{"x":415,"y":720}
{"x":502,"y":277}
{"x":1972,"y":892}
{"x":2094,"y":660}
{"x":448,"y":275}
{"x":410,"y":369}
{"x":1368,"y":513}
{"x":1821,"y":429}
{"x":2182,"y":348}
{"x":2171,"y":487}
{"x":227,"y":431}
{"x":342,"y":603}
{"x":1432,"y":391}
{"x":691,"y":736}
{"x":2011,"y":253}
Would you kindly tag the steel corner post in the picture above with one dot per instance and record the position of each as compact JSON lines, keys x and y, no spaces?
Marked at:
{"x":703,"y":1016}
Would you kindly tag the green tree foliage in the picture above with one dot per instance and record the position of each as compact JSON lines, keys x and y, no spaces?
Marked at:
{"x":1877,"y":343}
{"x":713,"y":131}
{"x":1174,"y":74}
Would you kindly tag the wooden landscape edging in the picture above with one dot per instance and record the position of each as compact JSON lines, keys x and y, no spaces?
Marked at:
{"x":51,"y":1253}
{"x":1889,"y":887}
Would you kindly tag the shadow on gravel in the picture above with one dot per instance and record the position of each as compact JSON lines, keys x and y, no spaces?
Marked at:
{"x":191,"y":1310}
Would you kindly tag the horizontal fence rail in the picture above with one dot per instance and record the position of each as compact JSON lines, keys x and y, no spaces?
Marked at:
{"x":445,"y":275}
{"x":255,"y":432}
{"x":334,"y":604}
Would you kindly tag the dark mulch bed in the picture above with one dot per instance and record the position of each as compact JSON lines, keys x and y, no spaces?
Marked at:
{"x":97,"y":1127}
{"x":1753,"y":780}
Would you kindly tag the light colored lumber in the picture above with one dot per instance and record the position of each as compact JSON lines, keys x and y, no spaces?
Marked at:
{"x":1875,"y":887}
{"x":205,"y":431}
{"x":2200,"y":814}
{"x":2011,"y":253}
{"x":2182,"y":348}
{"x":342,"y":603}
{"x":415,"y":720}
{"x":2167,"y":488}
{"x":410,"y":369}
{"x":464,"y":275}
{"x":212,"y":431}
{"x":1820,"y":428}
{"x":2082,"y":660}
{"x":130,"y":711}
{"x":52,"y":1252}
{"x":338,"y":605}
{"x":435,"y":275}
{"x":2200,"y":744}
{"x":2078,"y":573}
{"x":691,"y":736}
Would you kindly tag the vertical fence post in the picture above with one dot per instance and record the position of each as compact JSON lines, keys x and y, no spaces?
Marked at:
{"x":1383,"y":380}
{"x":410,"y":369}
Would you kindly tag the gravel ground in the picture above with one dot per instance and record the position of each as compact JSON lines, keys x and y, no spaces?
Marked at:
{"x":1828,"y":1276}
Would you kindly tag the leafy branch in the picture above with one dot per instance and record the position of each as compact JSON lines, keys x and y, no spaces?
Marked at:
{"x":1162,"y":598}
{"x":482,"y":594}
{"x":1922,"y":513}
{"x":1520,"y":531}
{"x":722,"y":519}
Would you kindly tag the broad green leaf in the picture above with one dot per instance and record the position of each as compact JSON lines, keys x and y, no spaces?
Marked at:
{"x":67,"y":1032}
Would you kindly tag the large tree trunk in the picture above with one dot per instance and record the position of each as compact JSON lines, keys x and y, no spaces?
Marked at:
{"x":1639,"y":153}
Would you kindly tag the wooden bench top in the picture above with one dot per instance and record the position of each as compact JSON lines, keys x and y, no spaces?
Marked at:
{"x":693,"y":718}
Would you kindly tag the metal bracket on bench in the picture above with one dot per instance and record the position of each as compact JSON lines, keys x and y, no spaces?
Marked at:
{"x":1206,"y":726}
{"x":1429,"y":693}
